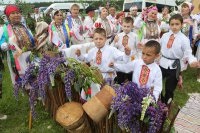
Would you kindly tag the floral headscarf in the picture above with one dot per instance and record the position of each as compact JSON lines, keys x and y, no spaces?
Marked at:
{"x":148,"y":10}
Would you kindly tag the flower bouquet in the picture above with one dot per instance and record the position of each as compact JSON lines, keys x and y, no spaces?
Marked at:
{"x":40,"y":80}
{"x":136,"y":109}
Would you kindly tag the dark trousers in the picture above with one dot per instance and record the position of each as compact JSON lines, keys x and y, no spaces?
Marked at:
{"x":123,"y":77}
{"x":170,"y":83}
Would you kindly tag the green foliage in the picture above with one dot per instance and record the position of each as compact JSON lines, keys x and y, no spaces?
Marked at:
{"x":117,"y":4}
{"x":24,"y":7}
{"x":178,"y":2}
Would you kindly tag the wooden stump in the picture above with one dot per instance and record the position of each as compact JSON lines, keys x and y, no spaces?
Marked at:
{"x":72,"y":117}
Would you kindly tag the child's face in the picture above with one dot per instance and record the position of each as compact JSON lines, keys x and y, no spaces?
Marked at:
{"x":99,"y":40}
{"x":165,"y":11}
{"x":149,"y":55}
{"x":104,"y":13}
{"x":175,"y":25}
{"x":75,"y":11}
{"x":58,"y":18}
{"x":127,"y":27}
{"x":185,"y":10}
{"x":152,"y":15}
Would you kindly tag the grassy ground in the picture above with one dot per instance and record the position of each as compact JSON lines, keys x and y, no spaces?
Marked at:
{"x":18,"y":111}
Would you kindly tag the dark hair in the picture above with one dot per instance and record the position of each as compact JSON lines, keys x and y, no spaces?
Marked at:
{"x":128,"y":20}
{"x":155,"y":44}
{"x":58,"y":11}
{"x":100,"y":31}
{"x":176,"y":17}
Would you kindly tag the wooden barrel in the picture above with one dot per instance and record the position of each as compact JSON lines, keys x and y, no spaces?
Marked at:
{"x":97,"y":107}
{"x":71,"y":116}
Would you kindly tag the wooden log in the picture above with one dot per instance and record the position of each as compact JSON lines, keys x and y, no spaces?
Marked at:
{"x":98,"y":106}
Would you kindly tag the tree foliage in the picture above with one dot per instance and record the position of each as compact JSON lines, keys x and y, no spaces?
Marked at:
{"x":24,"y":7}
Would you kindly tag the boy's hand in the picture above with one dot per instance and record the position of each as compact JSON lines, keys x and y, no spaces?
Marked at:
{"x":111,"y":64}
{"x":140,"y":45}
{"x":127,"y":50}
{"x":78,"y":52}
{"x":195,"y":64}
{"x":116,"y":39}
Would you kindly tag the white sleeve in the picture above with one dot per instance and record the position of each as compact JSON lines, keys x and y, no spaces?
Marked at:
{"x":188,"y":52}
{"x":157,"y":84}
{"x":120,"y":56}
{"x":138,"y":23}
{"x":126,"y":68}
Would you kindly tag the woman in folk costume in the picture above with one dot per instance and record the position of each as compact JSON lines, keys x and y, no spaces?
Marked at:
{"x":189,"y":27}
{"x":59,"y":31}
{"x":75,"y":25}
{"x":148,"y":26}
{"x":103,"y":22}
{"x":41,"y":36}
{"x":17,"y":40}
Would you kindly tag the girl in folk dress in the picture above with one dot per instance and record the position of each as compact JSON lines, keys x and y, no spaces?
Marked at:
{"x":148,"y":26}
{"x":119,"y":17}
{"x":58,"y":31}
{"x":189,"y":25}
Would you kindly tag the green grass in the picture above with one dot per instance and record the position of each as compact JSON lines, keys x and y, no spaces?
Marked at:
{"x":18,"y":111}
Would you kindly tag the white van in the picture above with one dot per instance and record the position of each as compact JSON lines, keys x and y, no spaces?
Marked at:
{"x":65,"y":6}
{"x":146,"y":3}
{"x":2,"y":9}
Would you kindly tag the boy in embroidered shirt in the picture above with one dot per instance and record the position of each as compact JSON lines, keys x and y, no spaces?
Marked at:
{"x":126,"y":38}
{"x":102,"y":54}
{"x":176,"y":52}
{"x":146,"y":73}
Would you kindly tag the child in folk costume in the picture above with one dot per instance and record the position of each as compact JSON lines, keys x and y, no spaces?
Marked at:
{"x":164,"y":20}
{"x":148,"y":27}
{"x":18,"y":41}
{"x":121,"y":40}
{"x":119,"y":17}
{"x":101,"y":55}
{"x":176,"y":52}
{"x":103,"y":22}
{"x":146,"y":73}
{"x":112,"y":15}
{"x":59,"y":31}
{"x":88,"y":24}
{"x":189,"y":27}
{"x":76,"y":25}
